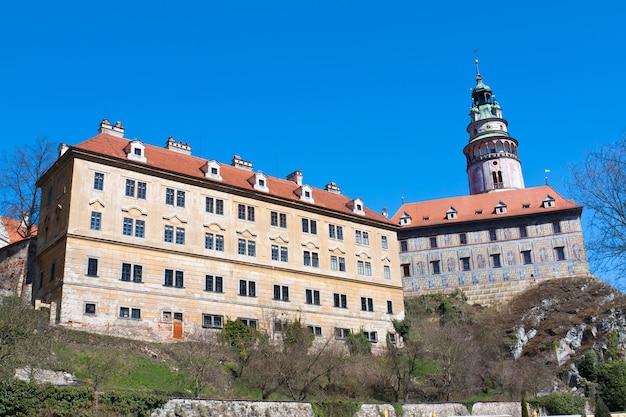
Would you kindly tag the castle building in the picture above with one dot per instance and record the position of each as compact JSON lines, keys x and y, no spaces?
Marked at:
{"x":154,"y":243}
{"x":501,"y":238}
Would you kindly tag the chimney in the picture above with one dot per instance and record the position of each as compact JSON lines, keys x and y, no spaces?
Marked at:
{"x":333,"y":188}
{"x":106,"y":127}
{"x":179,"y":146}
{"x":295,"y":176}
{"x":240,"y":163}
{"x":385,"y":213}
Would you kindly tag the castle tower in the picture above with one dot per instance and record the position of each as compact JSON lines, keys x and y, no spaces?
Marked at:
{"x":492,"y":160}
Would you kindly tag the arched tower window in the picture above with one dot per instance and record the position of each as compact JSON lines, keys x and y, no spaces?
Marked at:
{"x":497,"y":179}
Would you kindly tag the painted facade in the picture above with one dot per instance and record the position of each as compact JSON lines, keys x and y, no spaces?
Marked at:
{"x":501,"y":238}
{"x":154,"y":243}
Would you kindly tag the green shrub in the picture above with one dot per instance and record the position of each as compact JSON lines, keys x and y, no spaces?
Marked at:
{"x":335,"y":408}
{"x":358,"y":344}
{"x":137,"y":403}
{"x":561,"y":404}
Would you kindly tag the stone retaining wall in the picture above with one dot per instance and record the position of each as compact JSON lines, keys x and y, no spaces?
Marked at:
{"x":208,"y":408}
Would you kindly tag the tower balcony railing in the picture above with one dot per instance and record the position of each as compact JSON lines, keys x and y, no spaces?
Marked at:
{"x":492,"y":155}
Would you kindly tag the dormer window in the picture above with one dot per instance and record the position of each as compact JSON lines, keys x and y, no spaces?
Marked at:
{"x":305,"y":192}
{"x":451,"y":213}
{"x":259,"y":182}
{"x":500,"y":208}
{"x":358,"y":206}
{"x":526,"y":206}
{"x":211,"y":169}
{"x":136,"y":151}
{"x":548,"y":202}
{"x":405,"y":219}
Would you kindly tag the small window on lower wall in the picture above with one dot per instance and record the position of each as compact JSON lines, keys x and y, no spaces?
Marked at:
{"x":166,"y":316}
{"x":254,"y":323}
{"x":371,"y":336}
{"x":130,"y":313}
{"x":316,"y":330}
{"x":391,"y":337}
{"x":341,"y":333}
{"x":280,"y":326}
{"x":90,"y":308}
{"x":212,"y":321}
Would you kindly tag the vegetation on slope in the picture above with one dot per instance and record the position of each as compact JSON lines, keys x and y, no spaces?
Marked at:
{"x":452,"y":351}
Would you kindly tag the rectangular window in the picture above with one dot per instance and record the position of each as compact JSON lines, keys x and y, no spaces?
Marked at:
{"x":251,"y":248}
{"x":140,"y":228}
{"x":340,"y":300}
{"x":368,"y":269}
{"x":213,"y":283}
{"x":241,"y":212}
{"x":366,"y":238}
{"x":174,"y":278}
{"x":284,"y":254}
{"x":168,"y":234}
{"x":493,"y":235}
{"x":141,"y":190}
{"x":404,"y":246}
{"x":133,"y":313}
{"x":92,"y":267}
{"x":281,"y":293}
{"x":241,"y":246}
{"x":435,"y":267}
{"x":98,"y":181}
{"x":495,"y":260}
{"x":247,"y":288}
{"x":130,"y":188}
{"x":209,"y":205}
{"x":214,"y":205}
{"x":387,"y":272}
{"x":212,"y":321}
{"x":180,"y":236}
{"x":463,"y":238}
{"x":250,"y":213}
{"x":406,"y":270}
{"x":371,"y":336}
{"x":316,"y":330}
{"x":433,"y":241}
{"x":52,"y":271}
{"x":274,"y":252}
{"x":389,"y":307}
{"x":90,"y":308}
{"x":358,"y":237}
{"x":367,"y":304}
{"x":560,"y":253}
{"x":307,"y":258}
{"x":313,"y":259}
{"x":208,"y":241}
{"x":465,"y":264}
{"x":180,"y":198}
{"x":131,"y":271}
{"x":341,"y":333}
{"x":312,"y":297}
{"x":169,"y":196}
{"x":219,"y":243}
{"x":274,"y":218}
{"x":556,"y":227}
{"x":96,"y":220}
{"x":309,"y":226}
{"x":219,"y":207}
{"x":384,"y":243}
{"x":127,"y":229}
{"x":49,"y":197}
{"x":254,"y":323}
{"x":360,"y":267}
{"x":526,"y":258}
{"x":523,"y":231}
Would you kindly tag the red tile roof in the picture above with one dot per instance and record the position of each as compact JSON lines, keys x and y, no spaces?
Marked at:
{"x":14,"y":229}
{"x":180,"y":163}
{"x":521,"y":202}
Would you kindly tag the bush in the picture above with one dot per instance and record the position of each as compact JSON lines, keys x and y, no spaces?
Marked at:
{"x":358,"y":344}
{"x":335,"y":408}
{"x":137,"y":403}
{"x":561,"y":404}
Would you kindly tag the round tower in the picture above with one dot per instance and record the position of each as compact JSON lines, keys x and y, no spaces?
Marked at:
{"x":492,"y":160}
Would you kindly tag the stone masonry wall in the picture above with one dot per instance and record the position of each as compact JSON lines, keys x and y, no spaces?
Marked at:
{"x":207,"y":408}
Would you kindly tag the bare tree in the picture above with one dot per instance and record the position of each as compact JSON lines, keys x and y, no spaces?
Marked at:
{"x":598,"y":183}
{"x":21,"y":171}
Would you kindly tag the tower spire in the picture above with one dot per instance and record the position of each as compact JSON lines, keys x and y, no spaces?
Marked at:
{"x":492,"y":160}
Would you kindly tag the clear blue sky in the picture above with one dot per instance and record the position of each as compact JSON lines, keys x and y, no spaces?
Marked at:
{"x":371,"y":95}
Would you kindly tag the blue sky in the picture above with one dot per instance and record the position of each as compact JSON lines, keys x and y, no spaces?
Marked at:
{"x":371,"y":95}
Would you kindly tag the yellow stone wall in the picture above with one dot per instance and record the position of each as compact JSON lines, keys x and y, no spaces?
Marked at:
{"x":73,"y":243}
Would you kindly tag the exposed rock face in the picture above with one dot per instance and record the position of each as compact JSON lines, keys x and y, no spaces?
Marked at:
{"x":45,"y":376}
